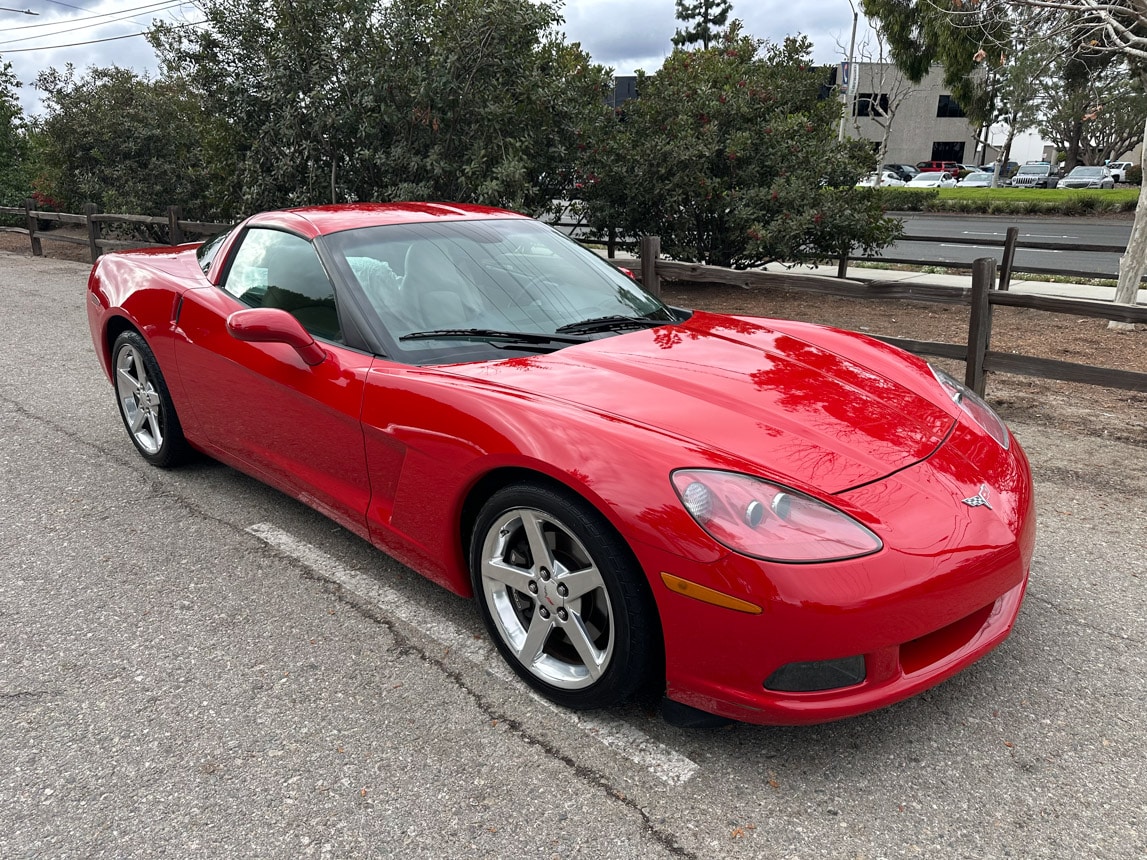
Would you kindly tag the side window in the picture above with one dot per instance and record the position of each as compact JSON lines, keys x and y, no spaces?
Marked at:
{"x":273,"y":269}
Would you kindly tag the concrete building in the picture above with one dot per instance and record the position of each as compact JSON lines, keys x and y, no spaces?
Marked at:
{"x":926,"y":122}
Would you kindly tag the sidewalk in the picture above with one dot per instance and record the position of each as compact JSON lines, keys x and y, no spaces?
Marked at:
{"x":1025,"y":287}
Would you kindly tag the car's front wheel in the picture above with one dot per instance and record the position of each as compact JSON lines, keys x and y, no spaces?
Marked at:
{"x":145,"y":403}
{"x":562,"y":597}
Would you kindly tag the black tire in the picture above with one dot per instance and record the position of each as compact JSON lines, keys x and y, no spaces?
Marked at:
{"x":576,"y":619}
{"x":145,"y":404}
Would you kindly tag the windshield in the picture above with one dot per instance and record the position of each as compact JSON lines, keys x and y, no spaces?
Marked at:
{"x":1087,"y":171}
{"x":501,"y":276}
{"x":1033,"y":168}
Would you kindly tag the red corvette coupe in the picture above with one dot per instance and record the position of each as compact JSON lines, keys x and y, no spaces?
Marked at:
{"x":773,"y":521}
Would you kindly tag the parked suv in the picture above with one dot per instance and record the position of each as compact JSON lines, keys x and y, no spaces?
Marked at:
{"x":1119,"y":169}
{"x":1035,"y":174}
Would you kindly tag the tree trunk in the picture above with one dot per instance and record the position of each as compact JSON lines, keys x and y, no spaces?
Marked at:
{"x":1134,"y":260}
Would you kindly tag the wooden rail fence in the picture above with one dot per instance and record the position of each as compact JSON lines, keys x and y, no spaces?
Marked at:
{"x":980,"y":298}
{"x":979,"y":358}
{"x":171,"y":224}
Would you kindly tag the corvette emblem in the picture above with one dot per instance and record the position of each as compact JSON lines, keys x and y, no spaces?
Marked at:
{"x":980,"y":499}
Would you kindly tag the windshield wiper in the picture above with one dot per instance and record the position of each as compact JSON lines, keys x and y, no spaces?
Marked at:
{"x":490,"y":334}
{"x":610,"y":323}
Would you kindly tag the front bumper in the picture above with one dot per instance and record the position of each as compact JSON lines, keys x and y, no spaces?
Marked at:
{"x":946,"y":590}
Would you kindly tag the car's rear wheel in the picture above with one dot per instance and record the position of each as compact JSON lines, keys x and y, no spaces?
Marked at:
{"x":145,"y":403}
{"x":562,"y":597}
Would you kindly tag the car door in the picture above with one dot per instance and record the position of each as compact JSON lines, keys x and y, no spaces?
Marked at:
{"x":259,"y":404}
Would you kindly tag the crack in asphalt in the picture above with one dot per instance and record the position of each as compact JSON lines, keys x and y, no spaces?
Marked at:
{"x":408,"y":646}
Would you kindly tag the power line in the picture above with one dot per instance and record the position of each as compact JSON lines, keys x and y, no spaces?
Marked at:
{"x":162,"y":7}
{"x":69,"y":5}
{"x":94,"y":41}
{"x":94,"y":16}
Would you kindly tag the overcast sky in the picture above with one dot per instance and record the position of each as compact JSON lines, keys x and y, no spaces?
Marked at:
{"x":624,"y":34}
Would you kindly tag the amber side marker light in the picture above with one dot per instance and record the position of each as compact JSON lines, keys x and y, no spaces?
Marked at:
{"x":708,"y":595}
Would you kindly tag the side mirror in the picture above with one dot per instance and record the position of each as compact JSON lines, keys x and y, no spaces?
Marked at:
{"x":272,"y":325}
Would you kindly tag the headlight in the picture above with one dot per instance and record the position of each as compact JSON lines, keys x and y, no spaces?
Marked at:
{"x":974,"y":407}
{"x":767,"y":521}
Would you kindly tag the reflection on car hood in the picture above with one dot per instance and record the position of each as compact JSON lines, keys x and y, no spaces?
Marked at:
{"x":759,"y":390}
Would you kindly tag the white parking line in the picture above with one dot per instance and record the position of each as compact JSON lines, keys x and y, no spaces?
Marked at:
{"x":666,"y":764}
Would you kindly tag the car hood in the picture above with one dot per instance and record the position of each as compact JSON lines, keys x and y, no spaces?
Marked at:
{"x":807,"y":405}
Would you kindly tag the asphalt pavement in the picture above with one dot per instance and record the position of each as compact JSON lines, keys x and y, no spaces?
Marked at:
{"x":195,"y":666}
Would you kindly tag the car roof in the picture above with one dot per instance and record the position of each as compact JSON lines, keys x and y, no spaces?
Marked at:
{"x":333,"y":218}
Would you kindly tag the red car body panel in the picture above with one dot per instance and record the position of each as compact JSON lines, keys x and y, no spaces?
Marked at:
{"x":395,"y":452}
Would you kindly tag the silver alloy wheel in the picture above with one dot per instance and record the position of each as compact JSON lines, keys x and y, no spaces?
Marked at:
{"x":547,"y":598}
{"x":139,"y":400}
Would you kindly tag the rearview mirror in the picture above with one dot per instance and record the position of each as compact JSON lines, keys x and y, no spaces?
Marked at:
{"x":272,"y":325}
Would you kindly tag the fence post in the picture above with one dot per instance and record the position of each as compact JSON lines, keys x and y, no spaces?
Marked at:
{"x":91,"y":209}
{"x":37,"y":247}
{"x":174,"y":233}
{"x":611,"y":243}
{"x":842,"y":266}
{"x":650,"y":251}
{"x":979,"y":323}
{"x":1009,"y":256}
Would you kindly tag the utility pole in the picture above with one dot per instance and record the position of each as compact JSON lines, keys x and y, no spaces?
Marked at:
{"x":846,"y":98}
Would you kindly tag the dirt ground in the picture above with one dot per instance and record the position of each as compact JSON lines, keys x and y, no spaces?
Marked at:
{"x":1087,"y":409}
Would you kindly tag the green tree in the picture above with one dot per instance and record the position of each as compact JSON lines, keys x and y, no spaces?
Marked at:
{"x":922,"y":34}
{"x":463,"y":100}
{"x":730,"y":156}
{"x":14,"y":180}
{"x":704,"y":22}
{"x":122,"y":141}
{"x":1099,"y":117}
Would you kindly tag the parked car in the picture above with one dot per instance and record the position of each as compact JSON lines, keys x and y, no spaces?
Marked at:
{"x":1009,"y":170}
{"x":929,"y":166}
{"x":1086,"y":176}
{"x":1119,"y":169}
{"x":769,"y":520}
{"x":1035,"y":174}
{"x":933,"y":179}
{"x":978,"y":179}
{"x":886,"y":177}
{"x":904,"y":171}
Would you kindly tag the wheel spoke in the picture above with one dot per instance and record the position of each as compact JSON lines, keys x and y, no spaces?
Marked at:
{"x":539,"y":549}
{"x":128,"y":382}
{"x":579,"y":636}
{"x":535,"y":639}
{"x":582,"y":582}
{"x":138,"y":417}
{"x":514,"y":577}
{"x":156,"y":431}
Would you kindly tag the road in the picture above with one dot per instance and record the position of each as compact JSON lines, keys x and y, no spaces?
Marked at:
{"x":1097,"y":231}
{"x":194,"y":665}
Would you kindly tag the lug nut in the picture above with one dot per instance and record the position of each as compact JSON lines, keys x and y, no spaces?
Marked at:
{"x":545,"y":573}
{"x":563,"y":615}
{"x":545,"y":613}
{"x":533,"y":586}
{"x":563,"y":591}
